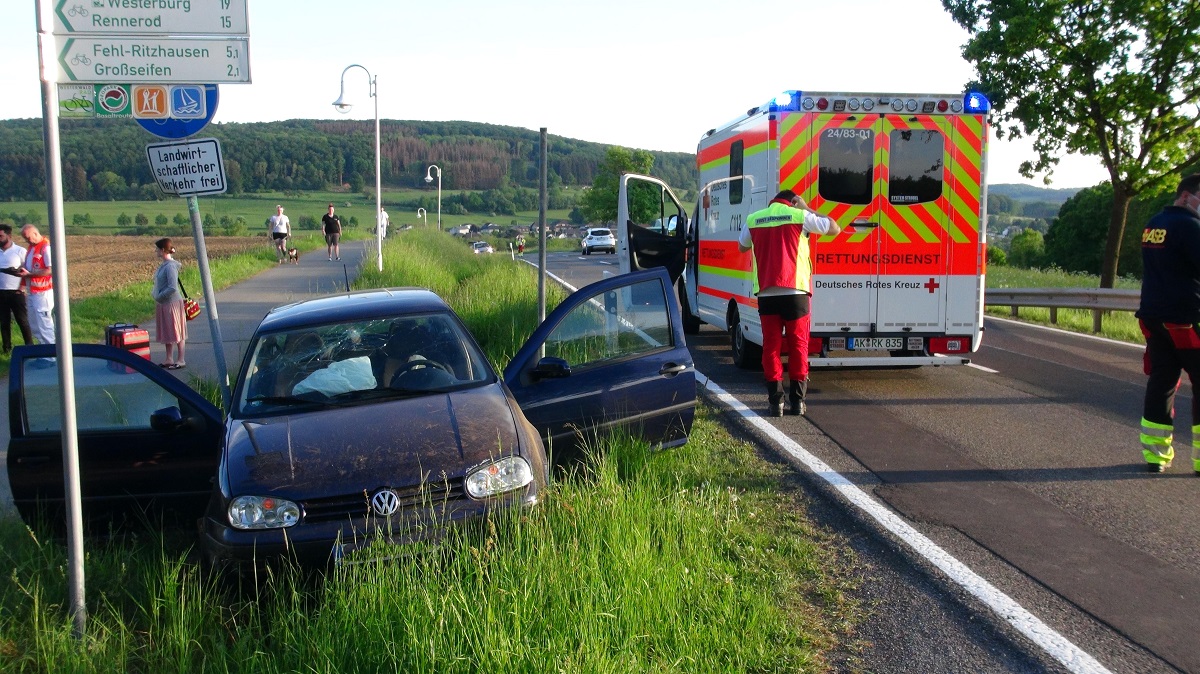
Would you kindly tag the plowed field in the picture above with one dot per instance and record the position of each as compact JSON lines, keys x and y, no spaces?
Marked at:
{"x":99,"y":264}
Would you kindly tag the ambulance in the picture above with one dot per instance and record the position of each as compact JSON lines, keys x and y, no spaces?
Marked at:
{"x":904,"y":174}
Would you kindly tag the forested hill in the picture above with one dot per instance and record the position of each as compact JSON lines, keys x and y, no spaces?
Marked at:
{"x":105,"y":159}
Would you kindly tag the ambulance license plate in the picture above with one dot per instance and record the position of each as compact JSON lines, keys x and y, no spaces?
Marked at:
{"x":876,"y":344}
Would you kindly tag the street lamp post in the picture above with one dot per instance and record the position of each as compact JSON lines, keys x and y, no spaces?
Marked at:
{"x":421,"y":214}
{"x":429,"y":179}
{"x":344,"y":107}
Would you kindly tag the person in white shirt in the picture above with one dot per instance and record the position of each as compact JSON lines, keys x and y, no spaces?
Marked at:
{"x":384,"y":221}
{"x":281,"y":228}
{"x":12,"y":297}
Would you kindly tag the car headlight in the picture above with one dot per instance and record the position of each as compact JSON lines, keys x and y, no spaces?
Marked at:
{"x":499,"y":477}
{"x":262,"y":512}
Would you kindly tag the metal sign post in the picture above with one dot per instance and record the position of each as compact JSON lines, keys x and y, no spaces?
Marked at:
{"x":62,"y":330}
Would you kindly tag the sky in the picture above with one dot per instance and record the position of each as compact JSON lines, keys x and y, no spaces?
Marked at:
{"x":649,"y":74}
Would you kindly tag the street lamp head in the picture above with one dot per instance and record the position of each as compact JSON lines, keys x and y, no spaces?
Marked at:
{"x":342,"y":106}
{"x":428,"y":178}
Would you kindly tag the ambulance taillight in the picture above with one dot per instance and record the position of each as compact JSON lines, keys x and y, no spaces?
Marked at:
{"x":949,"y":344}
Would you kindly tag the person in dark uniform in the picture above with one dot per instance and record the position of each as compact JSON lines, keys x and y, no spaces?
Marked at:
{"x":1169,"y":315}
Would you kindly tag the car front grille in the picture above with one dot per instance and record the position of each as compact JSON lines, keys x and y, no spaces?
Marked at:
{"x":418,"y":497}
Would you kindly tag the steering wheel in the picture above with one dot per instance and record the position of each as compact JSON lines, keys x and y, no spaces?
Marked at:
{"x":421,"y":363}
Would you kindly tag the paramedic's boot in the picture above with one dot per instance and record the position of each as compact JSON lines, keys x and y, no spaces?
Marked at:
{"x":796,"y":406}
{"x":1156,"y":446}
{"x":775,"y":398}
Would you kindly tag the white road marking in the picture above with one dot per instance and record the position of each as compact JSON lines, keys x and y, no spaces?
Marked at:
{"x":1097,"y":338}
{"x":985,"y":369}
{"x":1046,"y":638}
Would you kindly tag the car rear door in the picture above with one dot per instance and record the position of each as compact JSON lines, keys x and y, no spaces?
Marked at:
{"x":126,"y":463}
{"x":614,"y":357}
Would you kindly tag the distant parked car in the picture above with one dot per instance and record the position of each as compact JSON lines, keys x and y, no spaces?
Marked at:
{"x":482,"y":247}
{"x":357,"y":416}
{"x":598,"y":238}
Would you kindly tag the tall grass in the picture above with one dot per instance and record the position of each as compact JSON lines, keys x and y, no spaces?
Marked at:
{"x":689,"y":560}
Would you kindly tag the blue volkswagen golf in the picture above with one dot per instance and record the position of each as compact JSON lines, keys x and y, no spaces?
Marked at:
{"x":354,"y":417}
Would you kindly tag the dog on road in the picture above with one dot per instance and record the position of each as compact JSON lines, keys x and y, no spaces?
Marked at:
{"x":294,"y":255}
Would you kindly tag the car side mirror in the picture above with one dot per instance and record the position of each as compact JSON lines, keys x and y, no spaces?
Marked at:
{"x":168,"y":419}
{"x":551,"y":368}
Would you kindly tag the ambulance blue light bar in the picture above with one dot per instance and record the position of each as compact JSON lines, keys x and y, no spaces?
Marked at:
{"x":976,"y":103}
{"x":788,"y":101}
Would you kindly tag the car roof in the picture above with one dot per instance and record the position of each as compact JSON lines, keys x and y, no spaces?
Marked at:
{"x":358,"y":305}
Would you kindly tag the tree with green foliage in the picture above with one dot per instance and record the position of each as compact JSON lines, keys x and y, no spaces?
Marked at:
{"x":996,"y":256}
{"x":123,"y":220}
{"x":1028,"y":250}
{"x":599,"y":204}
{"x":141,"y":220}
{"x":161,"y":219}
{"x":1115,"y":80}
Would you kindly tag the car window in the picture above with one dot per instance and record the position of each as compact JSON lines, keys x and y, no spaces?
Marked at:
{"x":628,"y":321}
{"x":108,"y":396}
{"x":359,"y":361}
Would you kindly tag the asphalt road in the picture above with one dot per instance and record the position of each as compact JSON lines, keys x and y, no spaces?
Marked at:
{"x":1031,"y":474}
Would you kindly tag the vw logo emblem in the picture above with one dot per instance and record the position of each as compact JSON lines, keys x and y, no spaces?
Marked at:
{"x":385,"y":502}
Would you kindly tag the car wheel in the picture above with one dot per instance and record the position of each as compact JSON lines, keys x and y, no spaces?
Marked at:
{"x":746,"y":354}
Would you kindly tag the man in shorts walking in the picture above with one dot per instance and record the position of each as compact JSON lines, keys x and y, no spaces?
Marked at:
{"x":331,"y":226}
{"x":280,"y":228}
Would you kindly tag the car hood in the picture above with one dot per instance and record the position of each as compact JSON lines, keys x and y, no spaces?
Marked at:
{"x":347,"y":450}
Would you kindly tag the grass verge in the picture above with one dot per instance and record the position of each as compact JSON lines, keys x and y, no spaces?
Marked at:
{"x":1120,"y":325}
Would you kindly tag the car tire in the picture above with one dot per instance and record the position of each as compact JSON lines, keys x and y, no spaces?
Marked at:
{"x":746,"y":354}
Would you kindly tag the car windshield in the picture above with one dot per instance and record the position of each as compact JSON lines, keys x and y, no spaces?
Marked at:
{"x":353,"y":362}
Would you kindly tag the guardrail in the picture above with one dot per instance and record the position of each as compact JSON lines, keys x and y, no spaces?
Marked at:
{"x":1099,"y":300}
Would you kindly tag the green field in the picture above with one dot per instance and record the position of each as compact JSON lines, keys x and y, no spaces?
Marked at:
{"x":256,"y":208}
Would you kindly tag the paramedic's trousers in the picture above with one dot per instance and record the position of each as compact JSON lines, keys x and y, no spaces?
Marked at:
{"x":785,"y":324}
{"x":1171,"y":348}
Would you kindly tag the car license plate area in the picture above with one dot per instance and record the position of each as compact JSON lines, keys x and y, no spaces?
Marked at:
{"x":875,"y":343}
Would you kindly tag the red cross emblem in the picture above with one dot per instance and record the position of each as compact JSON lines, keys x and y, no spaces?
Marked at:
{"x":932,"y":285}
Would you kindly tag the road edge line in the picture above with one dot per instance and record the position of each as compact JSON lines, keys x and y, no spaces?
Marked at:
{"x":1045,"y":637}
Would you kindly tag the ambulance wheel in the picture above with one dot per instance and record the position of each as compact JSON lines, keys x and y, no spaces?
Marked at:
{"x":746,"y":354}
{"x":691,"y":324}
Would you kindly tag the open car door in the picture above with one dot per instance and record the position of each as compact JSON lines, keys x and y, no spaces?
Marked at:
{"x":148,"y":444}
{"x":615,"y":357}
{"x":652,"y":226}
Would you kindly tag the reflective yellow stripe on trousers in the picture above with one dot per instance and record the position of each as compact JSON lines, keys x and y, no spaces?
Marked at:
{"x":1196,"y":449}
{"x":1156,"y":442}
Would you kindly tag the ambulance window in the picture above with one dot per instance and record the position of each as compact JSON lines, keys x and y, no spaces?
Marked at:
{"x":847,"y":160}
{"x":915,"y":175}
{"x":735,"y":169}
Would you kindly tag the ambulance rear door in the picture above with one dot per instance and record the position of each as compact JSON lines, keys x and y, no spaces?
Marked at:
{"x":914,"y":231}
{"x":831,"y":159}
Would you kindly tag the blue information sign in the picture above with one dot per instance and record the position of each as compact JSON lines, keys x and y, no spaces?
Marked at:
{"x":192,"y":107}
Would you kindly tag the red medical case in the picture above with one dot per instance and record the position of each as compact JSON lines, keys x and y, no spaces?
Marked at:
{"x":129,"y":337}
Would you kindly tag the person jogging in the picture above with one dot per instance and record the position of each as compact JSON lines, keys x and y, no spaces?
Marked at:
{"x":280,"y":228}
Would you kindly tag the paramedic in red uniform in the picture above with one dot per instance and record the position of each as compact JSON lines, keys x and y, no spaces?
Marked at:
{"x":39,"y":285}
{"x":1170,"y":319}
{"x":783,"y":284}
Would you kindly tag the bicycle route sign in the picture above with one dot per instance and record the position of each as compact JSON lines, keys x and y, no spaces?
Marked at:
{"x":151,"y":17}
{"x":102,"y":59}
{"x":188,"y":168}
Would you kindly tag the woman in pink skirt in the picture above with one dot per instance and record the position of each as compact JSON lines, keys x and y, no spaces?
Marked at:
{"x":170,"y":323}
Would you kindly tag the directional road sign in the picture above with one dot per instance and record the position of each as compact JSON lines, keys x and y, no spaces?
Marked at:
{"x":156,"y":17}
{"x":102,"y":59}
{"x":188,"y":168}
